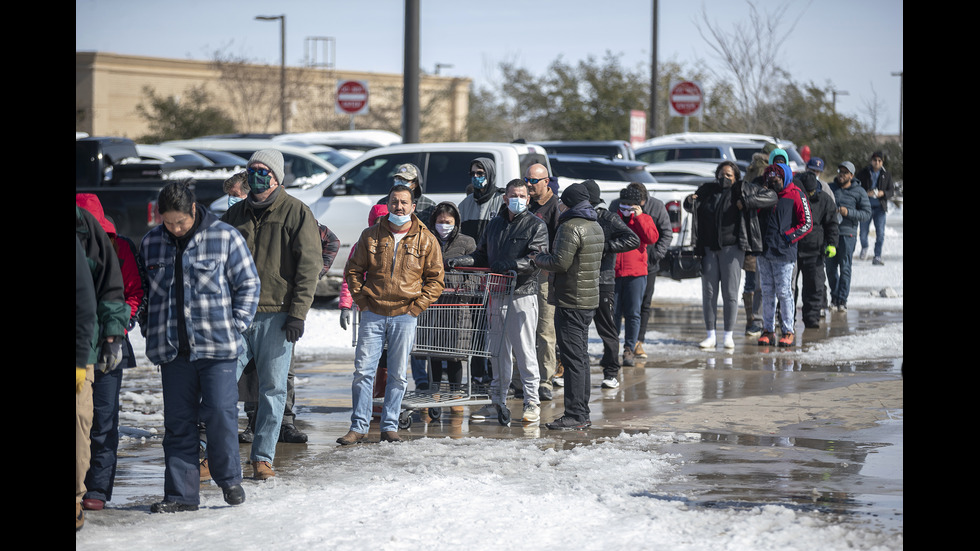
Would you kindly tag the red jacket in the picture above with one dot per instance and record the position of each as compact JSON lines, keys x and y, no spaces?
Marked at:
{"x":634,"y":263}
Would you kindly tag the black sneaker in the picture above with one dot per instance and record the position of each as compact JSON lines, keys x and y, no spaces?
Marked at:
{"x":291,"y":435}
{"x":545,"y":394}
{"x":248,"y":435}
{"x":172,"y":507}
{"x":234,"y":495}
{"x":567,"y":423}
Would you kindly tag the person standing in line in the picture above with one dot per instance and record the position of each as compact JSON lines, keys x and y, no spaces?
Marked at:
{"x":445,"y":224}
{"x":543,"y":203}
{"x":281,"y":233}
{"x":484,"y":199}
{"x":105,"y":389}
{"x":105,"y":346}
{"x":655,"y":251}
{"x":814,"y":249}
{"x":726,"y":227}
{"x":878,"y":183}
{"x":393,"y":276}
{"x":617,"y":238}
{"x":510,"y":240}
{"x":631,"y":269}
{"x":409,"y":175}
{"x":853,"y":207}
{"x":783,"y":226}
{"x":203,"y":294}
{"x":574,"y":266}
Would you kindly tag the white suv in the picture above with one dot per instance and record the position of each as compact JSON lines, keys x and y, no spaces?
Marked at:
{"x":715,"y":147}
{"x":342,"y":201}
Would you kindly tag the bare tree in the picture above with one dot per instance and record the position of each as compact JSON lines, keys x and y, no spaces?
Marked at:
{"x":749,"y":51}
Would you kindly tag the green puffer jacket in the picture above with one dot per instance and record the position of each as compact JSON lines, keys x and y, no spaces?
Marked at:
{"x":574,"y":264}
{"x":285,"y":242}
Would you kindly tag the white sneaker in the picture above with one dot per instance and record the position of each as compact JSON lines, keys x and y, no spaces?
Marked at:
{"x":558,"y":381}
{"x":486,"y":412}
{"x":611,"y":382}
{"x":532,"y":413}
{"x":729,"y":342}
{"x":709,"y":342}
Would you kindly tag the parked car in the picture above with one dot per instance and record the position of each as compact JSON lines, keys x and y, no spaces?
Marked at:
{"x":610,"y":149}
{"x":342,"y":200}
{"x":303,"y":167}
{"x":683,"y":172}
{"x":714,"y":147}
{"x":613,"y":175}
{"x":352,"y":142}
{"x":178,"y":158}
{"x":222,"y":158}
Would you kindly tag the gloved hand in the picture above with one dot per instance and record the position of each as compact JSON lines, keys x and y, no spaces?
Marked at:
{"x":79,"y":379}
{"x":831,"y":251}
{"x":344,"y":318}
{"x":502,"y":266}
{"x":452,"y":262}
{"x":293,"y":328}
{"x":111,"y":355}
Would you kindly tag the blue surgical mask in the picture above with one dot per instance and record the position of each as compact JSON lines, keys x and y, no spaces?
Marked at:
{"x":479,"y":181}
{"x":517,"y":205}
{"x":232,"y":200}
{"x":399,"y":219}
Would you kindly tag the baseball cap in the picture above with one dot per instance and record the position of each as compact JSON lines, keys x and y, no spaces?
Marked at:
{"x":816,"y":163}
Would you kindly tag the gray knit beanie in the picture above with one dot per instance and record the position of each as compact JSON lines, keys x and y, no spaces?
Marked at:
{"x":271,"y":158}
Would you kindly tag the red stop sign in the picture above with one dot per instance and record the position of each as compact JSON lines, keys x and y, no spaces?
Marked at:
{"x":685,"y":98}
{"x":352,"y":96}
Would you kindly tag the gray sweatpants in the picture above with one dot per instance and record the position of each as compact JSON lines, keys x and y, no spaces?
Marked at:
{"x":721,"y":269}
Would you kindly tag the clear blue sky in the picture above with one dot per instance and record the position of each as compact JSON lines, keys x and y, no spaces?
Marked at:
{"x":853,"y":45}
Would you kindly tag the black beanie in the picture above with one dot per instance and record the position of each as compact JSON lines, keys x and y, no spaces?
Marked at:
{"x":630,"y":196}
{"x":574,"y":194}
{"x":594,"y":194}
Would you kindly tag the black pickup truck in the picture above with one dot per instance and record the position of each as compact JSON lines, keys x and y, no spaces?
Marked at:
{"x":128,"y":189}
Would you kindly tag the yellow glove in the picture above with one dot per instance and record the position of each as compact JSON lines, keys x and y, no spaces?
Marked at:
{"x":79,"y":379}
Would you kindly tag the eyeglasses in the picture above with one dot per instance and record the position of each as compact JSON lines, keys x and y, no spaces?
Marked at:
{"x":477,"y":174}
{"x":533,"y":181}
{"x":260,"y":171}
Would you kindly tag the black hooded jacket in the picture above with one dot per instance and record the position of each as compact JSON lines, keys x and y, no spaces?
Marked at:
{"x":479,"y":207}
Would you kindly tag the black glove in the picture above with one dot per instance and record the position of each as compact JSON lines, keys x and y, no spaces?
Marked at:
{"x":111,"y":355}
{"x":344,"y":318}
{"x":503,"y":266}
{"x":293,"y":328}
{"x":452,"y":262}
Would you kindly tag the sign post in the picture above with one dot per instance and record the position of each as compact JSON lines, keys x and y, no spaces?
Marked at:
{"x":686,"y":99}
{"x":352,"y":98}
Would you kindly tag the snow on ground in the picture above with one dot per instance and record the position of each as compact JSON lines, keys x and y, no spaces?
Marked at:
{"x":442,"y":493}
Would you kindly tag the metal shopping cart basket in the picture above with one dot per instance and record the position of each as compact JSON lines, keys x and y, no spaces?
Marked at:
{"x":465,"y":322}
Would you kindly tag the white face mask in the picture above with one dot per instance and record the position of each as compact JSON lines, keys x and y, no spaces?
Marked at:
{"x":444,"y":229}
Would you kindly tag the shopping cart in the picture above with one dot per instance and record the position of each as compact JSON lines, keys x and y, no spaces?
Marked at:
{"x":465,"y":322}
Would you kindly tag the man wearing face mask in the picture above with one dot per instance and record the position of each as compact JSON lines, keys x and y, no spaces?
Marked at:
{"x":510,"y":240}
{"x":281,"y":233}
{"x":479,"y":207}
{"x":393,"y":275}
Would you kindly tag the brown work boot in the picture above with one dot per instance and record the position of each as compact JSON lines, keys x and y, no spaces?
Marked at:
{"x":351,"y":438}
{"x":390,"y":436}
{"x":79,"y":516}
{"x":262,"y":470}
{"x":638,"y":350}
{"x":205,"y":471}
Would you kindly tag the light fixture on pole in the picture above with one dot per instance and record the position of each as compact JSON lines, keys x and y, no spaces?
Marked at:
{"x":835,"y":94}
{"x":282,"y":70}
{"x":442,"y":66}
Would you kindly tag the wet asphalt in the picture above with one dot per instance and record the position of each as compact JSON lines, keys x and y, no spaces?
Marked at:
{"x":755,"y":426}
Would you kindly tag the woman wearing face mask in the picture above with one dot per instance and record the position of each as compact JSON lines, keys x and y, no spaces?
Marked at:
{"x":444,"y":222}
{"x":725,"y":226}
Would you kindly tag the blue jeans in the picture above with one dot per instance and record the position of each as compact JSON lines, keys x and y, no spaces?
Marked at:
{"x":776,"y":277}
{"x":105,"y":434}
{"x":878,"y":217}
{"x":266,"y":342}
{"x":839,"y":270}
{"x":629,"y":301}
{"x":373,"y":332}
{"x":205,"y":390}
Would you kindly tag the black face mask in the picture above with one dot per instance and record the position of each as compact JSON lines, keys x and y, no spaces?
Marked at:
{"x":258,"y":183}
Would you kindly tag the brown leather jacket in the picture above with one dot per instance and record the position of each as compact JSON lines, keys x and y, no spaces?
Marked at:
{"x":390,"y":284}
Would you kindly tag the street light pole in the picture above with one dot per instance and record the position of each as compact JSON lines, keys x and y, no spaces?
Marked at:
{"x":282,"y":67}
{"x":901,"y":99}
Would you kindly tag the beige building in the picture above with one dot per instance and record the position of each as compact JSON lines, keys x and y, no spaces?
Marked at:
{"x":109,"y":87}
